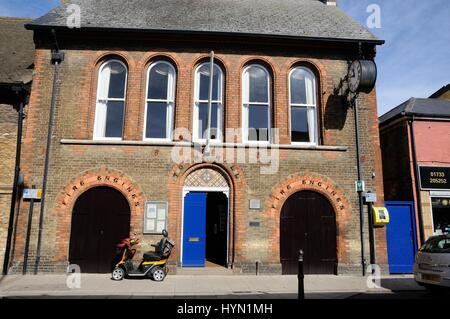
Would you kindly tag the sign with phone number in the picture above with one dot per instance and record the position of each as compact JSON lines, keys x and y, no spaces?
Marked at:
{"x":434,"y":178}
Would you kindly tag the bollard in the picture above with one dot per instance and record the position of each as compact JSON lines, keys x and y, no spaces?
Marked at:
{"x":301,"y":276}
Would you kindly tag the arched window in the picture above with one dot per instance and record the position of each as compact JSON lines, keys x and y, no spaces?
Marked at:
{"x":160,"y":101}
{"x":202,"y":77}
{"x":256,"y":97}
{"x":110,"y":108}
{"x":303,"y":106}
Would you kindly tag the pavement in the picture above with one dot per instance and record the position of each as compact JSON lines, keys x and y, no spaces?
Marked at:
{"x":204,"y":287}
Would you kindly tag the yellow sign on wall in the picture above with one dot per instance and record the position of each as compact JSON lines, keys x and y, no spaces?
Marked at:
{"x":380,"y":216}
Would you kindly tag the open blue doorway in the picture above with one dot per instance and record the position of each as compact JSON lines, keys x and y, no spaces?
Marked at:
{"x":205,"y":229}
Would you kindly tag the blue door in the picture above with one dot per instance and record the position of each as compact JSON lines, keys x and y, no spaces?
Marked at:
{"x":194,"y":230}
{"x":401,"y":239}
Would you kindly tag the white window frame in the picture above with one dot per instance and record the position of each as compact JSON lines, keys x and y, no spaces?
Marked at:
{"x":311,"y":110}
{"x":170,"y":102}
{"x":197,"y":101}
{"x":102,"y":126}
{"x":246,"y":103}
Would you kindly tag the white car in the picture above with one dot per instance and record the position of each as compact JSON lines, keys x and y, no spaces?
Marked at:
{"x":432,"y":266}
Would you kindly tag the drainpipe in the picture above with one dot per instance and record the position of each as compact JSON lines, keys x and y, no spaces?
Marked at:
{"x":23,"y":100}
{"x":416,"y":176}
{"x":207,"y":150}
{"x":360,"y":195}
{"x":57,"y":58}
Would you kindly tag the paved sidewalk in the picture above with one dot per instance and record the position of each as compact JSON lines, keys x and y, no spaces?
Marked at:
{"x":189,"y":286}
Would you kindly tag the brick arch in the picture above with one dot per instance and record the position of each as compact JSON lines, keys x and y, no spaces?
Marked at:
{"x":206,"y":59}
{"x":67,"y":198}
{"x":316,"y":183}
{"x":236,"y":181}
{"x":149,"y":58}
{"x":264,"y":61}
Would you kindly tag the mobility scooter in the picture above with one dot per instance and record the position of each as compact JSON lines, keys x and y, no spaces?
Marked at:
{"x":153,"y":264}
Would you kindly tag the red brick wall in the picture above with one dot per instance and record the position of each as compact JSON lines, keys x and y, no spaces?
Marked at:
{"x":435,"y":150}
{"x":149,"y":168}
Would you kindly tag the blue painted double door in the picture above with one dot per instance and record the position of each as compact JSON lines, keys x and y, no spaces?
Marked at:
{"x":205,"y":229}
{"x":401,"y":238}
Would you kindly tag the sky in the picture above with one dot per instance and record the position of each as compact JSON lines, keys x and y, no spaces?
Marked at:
{"x":414,"y":61}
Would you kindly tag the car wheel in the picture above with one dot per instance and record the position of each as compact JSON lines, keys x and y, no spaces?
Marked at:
{"x":118,"y":274}
{"x":158,"y":274}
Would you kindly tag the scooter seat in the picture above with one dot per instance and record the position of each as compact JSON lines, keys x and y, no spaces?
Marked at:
{"x":151,"y":256}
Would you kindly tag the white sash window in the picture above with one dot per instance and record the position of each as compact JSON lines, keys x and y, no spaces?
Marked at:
{"x":256,"y":97}
{"x":110,"y":108}
{"x":202,"y":77}
{"x":303,"y":106}
{"x":160,"y":101}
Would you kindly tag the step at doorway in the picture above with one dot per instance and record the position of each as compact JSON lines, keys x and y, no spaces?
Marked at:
{"x":204,"y":271}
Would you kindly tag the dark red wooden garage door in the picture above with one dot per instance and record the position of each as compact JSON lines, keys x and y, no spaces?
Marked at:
{"x":101,"y":218}
{"x":308,"y":222}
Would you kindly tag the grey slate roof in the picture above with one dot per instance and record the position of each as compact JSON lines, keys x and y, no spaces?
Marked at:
{"x":433,"y":108}
{"x":289,"y":18}
{"x":16,"y":51}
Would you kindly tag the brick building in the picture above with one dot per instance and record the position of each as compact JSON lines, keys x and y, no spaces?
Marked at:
{"x":16,"y":68}
{"x":415,"y":140}
{"x":127,"y":150}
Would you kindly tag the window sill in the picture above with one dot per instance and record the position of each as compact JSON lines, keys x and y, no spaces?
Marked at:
{"x":108,"y":139}
{"x":312,"y":147}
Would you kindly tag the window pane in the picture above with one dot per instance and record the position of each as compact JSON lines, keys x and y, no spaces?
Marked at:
{"x":158,"y":81}
{"x":117,"y":80}
{"x":258,"y":85}
{"x":204,"y":72}
{"x":203,"y":120}
{"x":156,"y":120}
{"x":299,"y":125}
{"x":298,"y":87}
{"x":303,"y":85}
{"x":258,"y":123}
{"x":114,"y":119}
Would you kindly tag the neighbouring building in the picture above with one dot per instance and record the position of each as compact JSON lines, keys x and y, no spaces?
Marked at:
{"x":442,"y":94}
{"x":128,"y":148}
{"x":16,"y":70}
{"x":415,"y":143}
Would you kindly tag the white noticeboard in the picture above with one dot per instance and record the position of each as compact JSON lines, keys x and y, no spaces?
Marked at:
{"x":32,"y":193}
{"x":370,"y":197}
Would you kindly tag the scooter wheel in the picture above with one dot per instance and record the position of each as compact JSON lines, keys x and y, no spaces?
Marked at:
{"x":158,"y":274}
{"x":118,"y":274}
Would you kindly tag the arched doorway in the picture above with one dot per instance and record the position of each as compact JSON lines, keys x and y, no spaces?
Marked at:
{"x":308,"y":222}
{"x":205,"y":228}
{"x":100,"y":219}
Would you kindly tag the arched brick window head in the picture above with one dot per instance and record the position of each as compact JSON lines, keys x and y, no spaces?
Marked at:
{"x":110,"y":108}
